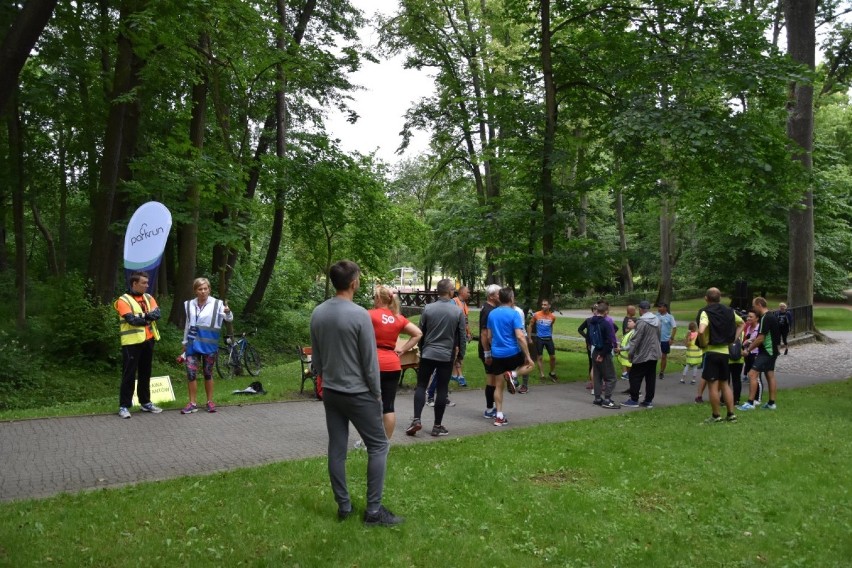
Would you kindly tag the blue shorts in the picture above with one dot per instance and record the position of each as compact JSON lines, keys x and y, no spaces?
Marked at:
{"x":666,"y":347}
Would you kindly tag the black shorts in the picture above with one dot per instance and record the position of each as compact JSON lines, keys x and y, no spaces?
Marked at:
{"x":500,"y":365}
{"x":488,"y":368}
{"x":666,"y":347}
{"x":715,"y":367}
{"x":764,"y":362}
{"x":545,"y":343}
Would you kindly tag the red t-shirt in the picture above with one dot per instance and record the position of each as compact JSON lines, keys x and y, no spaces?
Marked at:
{"x":387,"y":326}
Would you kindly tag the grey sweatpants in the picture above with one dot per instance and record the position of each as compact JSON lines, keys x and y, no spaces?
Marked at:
{"x":604,"y":375}
{"x":364,"y":411}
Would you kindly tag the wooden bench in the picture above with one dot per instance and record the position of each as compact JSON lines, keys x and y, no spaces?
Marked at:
{"x":308,"y":372}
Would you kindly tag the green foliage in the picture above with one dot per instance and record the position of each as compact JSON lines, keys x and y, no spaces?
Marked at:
{"x":69,"y":325}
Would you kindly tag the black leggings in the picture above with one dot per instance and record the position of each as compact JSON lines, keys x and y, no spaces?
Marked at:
{"x":736,"y":380}
{"x":443,"y":370}
{"x":390,"y":381}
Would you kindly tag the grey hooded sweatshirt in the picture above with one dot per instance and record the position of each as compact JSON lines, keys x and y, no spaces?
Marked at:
{"x":644,"y":344}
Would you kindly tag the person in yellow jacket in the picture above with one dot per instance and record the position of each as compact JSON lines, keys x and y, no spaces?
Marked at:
{"x":630,"y":325}
{"x":694,"y":355}
{"x":138,"y":313}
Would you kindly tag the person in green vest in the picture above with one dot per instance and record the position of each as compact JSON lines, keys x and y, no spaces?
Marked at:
{"x":138,"y":313}
{"x":694,"y":355}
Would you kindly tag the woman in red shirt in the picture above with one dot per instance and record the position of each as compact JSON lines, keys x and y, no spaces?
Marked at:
{"x":388,"y":323}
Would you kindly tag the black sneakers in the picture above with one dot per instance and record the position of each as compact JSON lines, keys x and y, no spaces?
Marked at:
{"x":382,"y":518}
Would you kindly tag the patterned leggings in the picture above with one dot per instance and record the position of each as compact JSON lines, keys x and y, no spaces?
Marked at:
{"x":192,"y":366}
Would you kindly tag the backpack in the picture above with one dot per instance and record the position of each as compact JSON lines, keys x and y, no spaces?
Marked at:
{"x":722,"y":329}
{"x":597,"y":337}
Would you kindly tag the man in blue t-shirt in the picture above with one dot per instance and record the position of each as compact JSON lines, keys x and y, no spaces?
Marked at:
{"x":668,"y":330}
{"x":506,"y":350}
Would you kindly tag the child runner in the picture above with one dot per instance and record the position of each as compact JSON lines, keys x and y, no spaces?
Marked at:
{"x":622,"y":354}
{"x":693,"y":354}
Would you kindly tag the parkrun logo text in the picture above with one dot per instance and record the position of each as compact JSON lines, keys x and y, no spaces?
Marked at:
{"x":144,"y":233}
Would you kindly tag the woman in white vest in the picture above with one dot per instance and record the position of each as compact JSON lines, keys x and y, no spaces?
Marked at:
{"x":204,"y":317}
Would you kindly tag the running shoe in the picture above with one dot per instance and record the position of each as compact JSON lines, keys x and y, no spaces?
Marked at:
{"x":553,"y":377}
{"x":731,"y":418}
{"x":439,"y":430}
{"x":769,"y":406}
{"x":523,"y":390}
{"x":630,"y":403}
{"x":683,"y":381}
{"x":662,"y":376}
{"x":462,"y":382}
{"x":382,"y":518}
{"x":430,"y":402}
{"x":608,"y":403}
{"x":123,"y":412}
{"x":449,"y":403}
{"x":414,"y":427}
{"x":713,"y":420}
{"x":699,"y":400}
{"x":189,"y":408}
{"x":646,"y":404}
{"x":501,"y":421}
{"x":490,"y":414}
{"x":598,"y":402}
{"x":211,"y":406}
{"x":151,"y":407}
{"x":746,"y":407}
{"x":510,"y":382}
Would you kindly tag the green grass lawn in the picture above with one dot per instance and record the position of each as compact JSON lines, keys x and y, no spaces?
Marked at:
{"x":833,"y":319}
{"x":651,"y":488}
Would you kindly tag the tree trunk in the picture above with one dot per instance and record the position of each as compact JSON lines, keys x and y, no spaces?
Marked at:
{"x":188,"y":240}
{"x":52,"y":263}
{"x":62,"y":262}
{"x":16,"y":157}
{"x":19,"y":43}
{"x":108,"y":203}
{"x":546,"y":179}
{"x":268,"y":267}
{"x":801,"y":46}
{"x":626,"y":276}
{"x":667,"y":249}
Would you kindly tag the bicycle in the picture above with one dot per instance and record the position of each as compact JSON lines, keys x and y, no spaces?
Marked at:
{"x":236,"y":356}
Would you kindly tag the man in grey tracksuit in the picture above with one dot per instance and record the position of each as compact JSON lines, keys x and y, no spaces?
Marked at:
{"x":344,"y":355}
{"x":644,"y":352}
{"x":443,"y":326}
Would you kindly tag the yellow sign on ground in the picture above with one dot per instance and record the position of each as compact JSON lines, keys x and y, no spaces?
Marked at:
{"x":161,"y":390}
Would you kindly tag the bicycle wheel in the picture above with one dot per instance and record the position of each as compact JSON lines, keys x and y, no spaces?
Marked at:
{"x":251,"y":361}
{"x":223,"y":366}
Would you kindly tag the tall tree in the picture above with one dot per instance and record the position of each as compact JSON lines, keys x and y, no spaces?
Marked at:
{"x":18,"y":43}
{"x":286,"y":48}
{"x":801,"y":46}
{"x":109,"y":204}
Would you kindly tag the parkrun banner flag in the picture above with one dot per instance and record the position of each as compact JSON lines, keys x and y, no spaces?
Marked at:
{"x":145,"y":241}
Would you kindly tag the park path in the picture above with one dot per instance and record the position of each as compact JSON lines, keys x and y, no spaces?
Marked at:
{"x":43,"y":457}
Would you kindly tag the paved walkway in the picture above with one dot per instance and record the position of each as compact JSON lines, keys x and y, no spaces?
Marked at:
{"x":39,"y":458}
